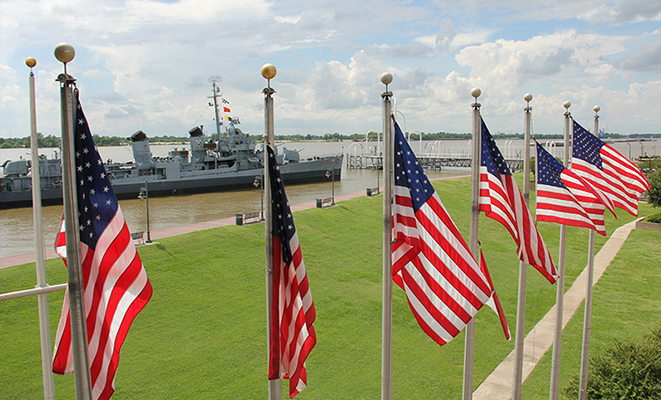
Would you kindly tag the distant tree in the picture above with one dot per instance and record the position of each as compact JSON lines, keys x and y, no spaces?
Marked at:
{"x":654,"y":178}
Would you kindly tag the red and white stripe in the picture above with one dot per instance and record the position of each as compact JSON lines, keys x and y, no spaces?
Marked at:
{"x":115,"y":290}
{"x":432,"y":263}
{"x":619,"y":178}
{"x":294,"y":308}
{"x":579,"y":205}
{"x":494,"y":301}
{"x":502,"y":200}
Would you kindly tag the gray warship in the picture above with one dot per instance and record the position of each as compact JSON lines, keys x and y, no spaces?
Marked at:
{"x":235,"y":161}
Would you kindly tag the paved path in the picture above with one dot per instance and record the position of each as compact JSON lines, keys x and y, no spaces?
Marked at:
{"x":498,"y":385}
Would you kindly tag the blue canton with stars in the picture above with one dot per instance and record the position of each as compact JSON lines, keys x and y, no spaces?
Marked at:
{"x":283,"y":221}
{"x":97,"y":204}
{"x":586,"y":146}
{"x":548,"y":168}
{"x":491,"y":156}
{"x":409,"y":173}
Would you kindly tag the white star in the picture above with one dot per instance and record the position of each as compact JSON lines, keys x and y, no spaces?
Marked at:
{"x":87,"y":164}
{"x":108,"y":202}
{"x":106,"y":188}
{"x":103,"y":175}
{"x":81,"y":122}
{"x":85,"y":151}
{"x":92,"y":191}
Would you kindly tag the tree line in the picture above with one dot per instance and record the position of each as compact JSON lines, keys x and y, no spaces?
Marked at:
{"x":54,"y":141}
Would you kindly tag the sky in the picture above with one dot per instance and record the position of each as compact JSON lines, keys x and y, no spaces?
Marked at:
{"x":146,"y":64}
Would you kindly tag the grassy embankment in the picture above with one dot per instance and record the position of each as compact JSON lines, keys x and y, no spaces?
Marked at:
{"x":203,"y":334}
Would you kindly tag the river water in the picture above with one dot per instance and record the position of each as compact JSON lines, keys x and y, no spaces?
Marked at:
{"x":16,"y":225}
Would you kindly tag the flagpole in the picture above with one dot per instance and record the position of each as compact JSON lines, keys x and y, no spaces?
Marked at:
{"x":268,"y":72}
{"x":64,"y":52}
{"x":560,"y":290}
{"x":523,"y":271}
{"x":469,"y":345}
{"x":587,"y":318}
{"x":386,"y":329}
{"x":42,"y":299}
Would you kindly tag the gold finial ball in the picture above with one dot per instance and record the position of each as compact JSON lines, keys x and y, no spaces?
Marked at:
{"x":596,"y":108}
{"x":64,"y":52}
{"x":476,"y":92}
{"x":566,"y":104}
{"x":527,"y":97}
{"x":268,"y":71}
{"x":386,"y":78}
{"x":30,"y":62}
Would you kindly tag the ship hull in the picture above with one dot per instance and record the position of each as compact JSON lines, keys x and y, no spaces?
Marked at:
{"x":198,"y":182}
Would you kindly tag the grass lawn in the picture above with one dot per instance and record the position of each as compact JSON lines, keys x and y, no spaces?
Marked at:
{"x":203,"y":334}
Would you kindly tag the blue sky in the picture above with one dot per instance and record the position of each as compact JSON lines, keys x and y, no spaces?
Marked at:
{"x":145,"y":64}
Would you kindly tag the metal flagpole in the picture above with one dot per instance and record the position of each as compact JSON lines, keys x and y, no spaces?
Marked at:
{"x":560,"y":290}
{"x":469,"y":348}
{"x":587,"y":318}
{"x":386,"y":330}
{"x":64,"y":52}
{"x":268,"y":72}
{"x":42,"y":299}
{"x":523,"y":269}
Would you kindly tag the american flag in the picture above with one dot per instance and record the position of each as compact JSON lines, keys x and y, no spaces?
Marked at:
{"x":115,"y":283}
{"x":443,"y":282}
{"x":292,"y":333}
{"x":501,"y":199}
{"x":494,"y":302}
{"x":566,"y":198}
{"x":607,"y":170}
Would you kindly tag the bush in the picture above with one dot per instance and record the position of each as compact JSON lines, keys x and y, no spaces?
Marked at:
{"x":654,"y":178}
{"x":627,"y":370}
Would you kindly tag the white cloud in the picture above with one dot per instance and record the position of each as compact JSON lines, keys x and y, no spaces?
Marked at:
{"x":148,"y":61}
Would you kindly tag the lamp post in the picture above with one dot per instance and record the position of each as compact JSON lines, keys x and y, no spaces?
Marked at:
{"x":259,"y":179}
{"x":144,"y":195}
{"x":328,"y":175}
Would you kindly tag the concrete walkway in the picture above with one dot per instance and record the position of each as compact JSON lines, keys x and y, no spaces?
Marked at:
{"x":498,"y":385}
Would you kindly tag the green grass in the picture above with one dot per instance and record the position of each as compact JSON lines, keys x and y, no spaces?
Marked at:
{"x":203,"y":334}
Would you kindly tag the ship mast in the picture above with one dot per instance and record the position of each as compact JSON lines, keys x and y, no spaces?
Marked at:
{"x":216,"y":90}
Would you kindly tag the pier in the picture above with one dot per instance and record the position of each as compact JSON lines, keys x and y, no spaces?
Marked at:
{"x":428,"y":162}
{"x":433,"y":155}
